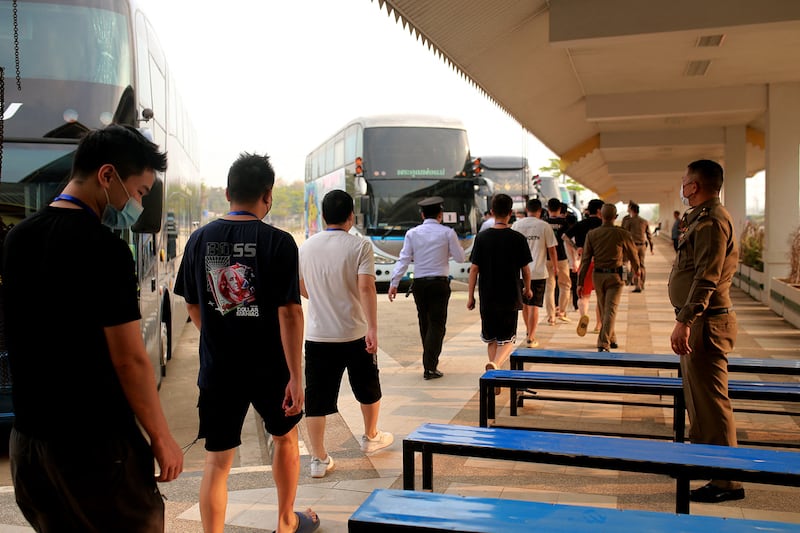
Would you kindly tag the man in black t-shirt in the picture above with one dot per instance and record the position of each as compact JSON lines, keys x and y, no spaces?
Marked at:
{"x":240,"y":279}
{"x":557,"y":273}
{"x":576,"y":237}
{"x":499,"y":256}
{"x":82,"y":375}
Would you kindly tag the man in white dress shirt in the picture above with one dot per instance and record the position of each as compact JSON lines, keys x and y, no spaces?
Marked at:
{"x":430,"y":246}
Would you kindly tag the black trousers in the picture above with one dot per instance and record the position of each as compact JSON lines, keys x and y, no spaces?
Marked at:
{"x":431,"y":298}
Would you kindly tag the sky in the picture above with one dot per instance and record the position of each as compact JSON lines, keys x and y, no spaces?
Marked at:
{"x":279,"y":77}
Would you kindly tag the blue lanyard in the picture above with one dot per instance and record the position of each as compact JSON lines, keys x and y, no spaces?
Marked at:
{"x":244,"y":213}
{"x":80,"y":203}
{"x":334,"y":229}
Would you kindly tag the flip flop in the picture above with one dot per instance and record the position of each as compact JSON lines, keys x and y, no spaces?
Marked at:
{"x":305,"y":524}
{"x":583,"y":325}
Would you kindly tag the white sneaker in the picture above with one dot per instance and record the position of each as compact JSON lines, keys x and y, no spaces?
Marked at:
{"x":382,"y":439}
{"x":319,"y":467}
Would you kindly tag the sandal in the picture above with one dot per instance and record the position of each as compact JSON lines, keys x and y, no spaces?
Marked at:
{"x":583,"y":325}
{"x":307,"y":521}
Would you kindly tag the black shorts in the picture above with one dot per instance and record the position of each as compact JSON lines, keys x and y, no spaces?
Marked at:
{"x":222,"y":411}
{"x":325,"y":366}
{"x":499,"y":326}
{"x":538,"y":288}
{"x":92,"y":484}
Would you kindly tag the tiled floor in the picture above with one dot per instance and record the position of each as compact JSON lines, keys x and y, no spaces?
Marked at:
{"x":643,"y":325}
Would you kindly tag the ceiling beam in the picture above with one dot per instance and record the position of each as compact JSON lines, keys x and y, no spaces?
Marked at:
{"x":574,"y":23}
{"x":647,"y":166}
{"x":662,"y":104}
{"x":668,"y":137}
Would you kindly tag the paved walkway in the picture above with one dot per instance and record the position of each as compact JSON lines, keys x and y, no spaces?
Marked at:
{"x":644,"y":325}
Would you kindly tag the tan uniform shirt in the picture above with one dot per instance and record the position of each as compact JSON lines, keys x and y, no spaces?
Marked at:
{"x":706,"y":261}
{"x":639,"y":228}
{"x":609,"y":245}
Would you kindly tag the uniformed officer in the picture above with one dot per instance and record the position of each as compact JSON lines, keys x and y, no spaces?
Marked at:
{"x":705,"y":327}
{"x":430,"y":246}
{"x":640,"y":229}
{"x":609,"y":245}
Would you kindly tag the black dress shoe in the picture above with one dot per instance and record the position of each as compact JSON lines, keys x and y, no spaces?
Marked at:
{"x":712,"y":494}
{"x":601,"y":349}
{"x":432,"y":374}
{"x":614,"y":345}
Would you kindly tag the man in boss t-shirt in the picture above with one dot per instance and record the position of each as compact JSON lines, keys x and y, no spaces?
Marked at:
{"x":337,"y":275}
{"x":240,"y":280}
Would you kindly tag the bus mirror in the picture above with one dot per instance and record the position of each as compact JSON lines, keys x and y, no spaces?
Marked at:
{"x":153,"y":203}
{"x":147,"y":114}
{"x":365,"y":205}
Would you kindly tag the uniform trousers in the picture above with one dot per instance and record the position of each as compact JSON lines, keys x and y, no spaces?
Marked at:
{"x":642,"y":249}
{"x":431,"y":297}
{"x":564,"y":285}
{"x":705,"y":381}
{"x":608,"y":286}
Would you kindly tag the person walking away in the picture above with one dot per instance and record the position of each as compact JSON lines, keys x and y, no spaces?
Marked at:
{"x":499,"y":256}
{"x":84,"y":353}
{"x":705,"y":323}
{"x":337,"y":275}
{"x":542,"y":244}
{"x":558,"y":272}
{"x":676,"y":229}
{"x":239,"y":277}
{"x":575,"y":236}
{"x":609,"y":246}
{"x":640,"y":229}
{"x":430,"y":246}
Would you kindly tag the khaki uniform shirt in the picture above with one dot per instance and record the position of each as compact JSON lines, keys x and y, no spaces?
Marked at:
{"x":706,"y":261}
{"x":609,"y":245}
{"x":639,"y":228}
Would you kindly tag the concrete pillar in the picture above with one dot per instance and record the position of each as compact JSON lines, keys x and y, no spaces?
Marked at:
{"x":735,"y":196}
{"x":782,"y":205}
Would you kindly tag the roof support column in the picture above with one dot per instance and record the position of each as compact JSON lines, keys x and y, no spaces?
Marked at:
{"x":782,"y":206}
{"x":735,"y":173}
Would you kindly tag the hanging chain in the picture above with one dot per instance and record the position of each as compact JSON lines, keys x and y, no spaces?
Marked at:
{"x":3,"y":83}
{"x":16,"y":44}
{"x":2,"y":114}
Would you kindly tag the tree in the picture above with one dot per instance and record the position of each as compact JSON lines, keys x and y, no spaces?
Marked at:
{"x":554,"y":169}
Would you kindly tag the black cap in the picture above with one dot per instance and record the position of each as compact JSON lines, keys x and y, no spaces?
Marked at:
{"x":431,"y":200}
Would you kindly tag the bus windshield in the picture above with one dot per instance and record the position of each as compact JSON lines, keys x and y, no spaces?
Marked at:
{"x":410,"y":152}
{"x":397,"y":209}
{"x":511,"y":182}
{"x":32,"y":174}
{"x":69,"y":42}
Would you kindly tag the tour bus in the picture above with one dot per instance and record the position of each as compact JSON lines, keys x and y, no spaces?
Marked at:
{"x":509,"y":175}
{"x":86,"y":64}
{"x":389,"y":163}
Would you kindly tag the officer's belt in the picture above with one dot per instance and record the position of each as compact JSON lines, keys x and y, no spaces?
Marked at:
{"x":617,"y":270}
{"x":711,"y":312}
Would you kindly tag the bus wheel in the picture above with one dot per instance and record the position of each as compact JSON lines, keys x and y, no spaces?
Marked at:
{"x":163,"y":358}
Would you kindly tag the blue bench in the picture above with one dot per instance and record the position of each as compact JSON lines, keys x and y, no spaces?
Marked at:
{"x":679,"y":460}
{"x":391,"y":511}
{"x":660,"y":386}
{"x":645,"y":360}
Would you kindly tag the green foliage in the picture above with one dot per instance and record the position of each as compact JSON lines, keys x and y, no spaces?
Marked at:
{"x":287,"y":199}
{"x":554,"y":169}
{"x":751,"y":247}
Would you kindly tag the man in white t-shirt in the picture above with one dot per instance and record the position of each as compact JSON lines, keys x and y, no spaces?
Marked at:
{"x":337,"y":275}
{"x":541,"y":241}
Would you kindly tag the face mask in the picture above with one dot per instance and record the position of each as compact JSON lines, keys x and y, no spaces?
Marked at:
{"x":684,"y":199}
{"x":125,"y":218}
